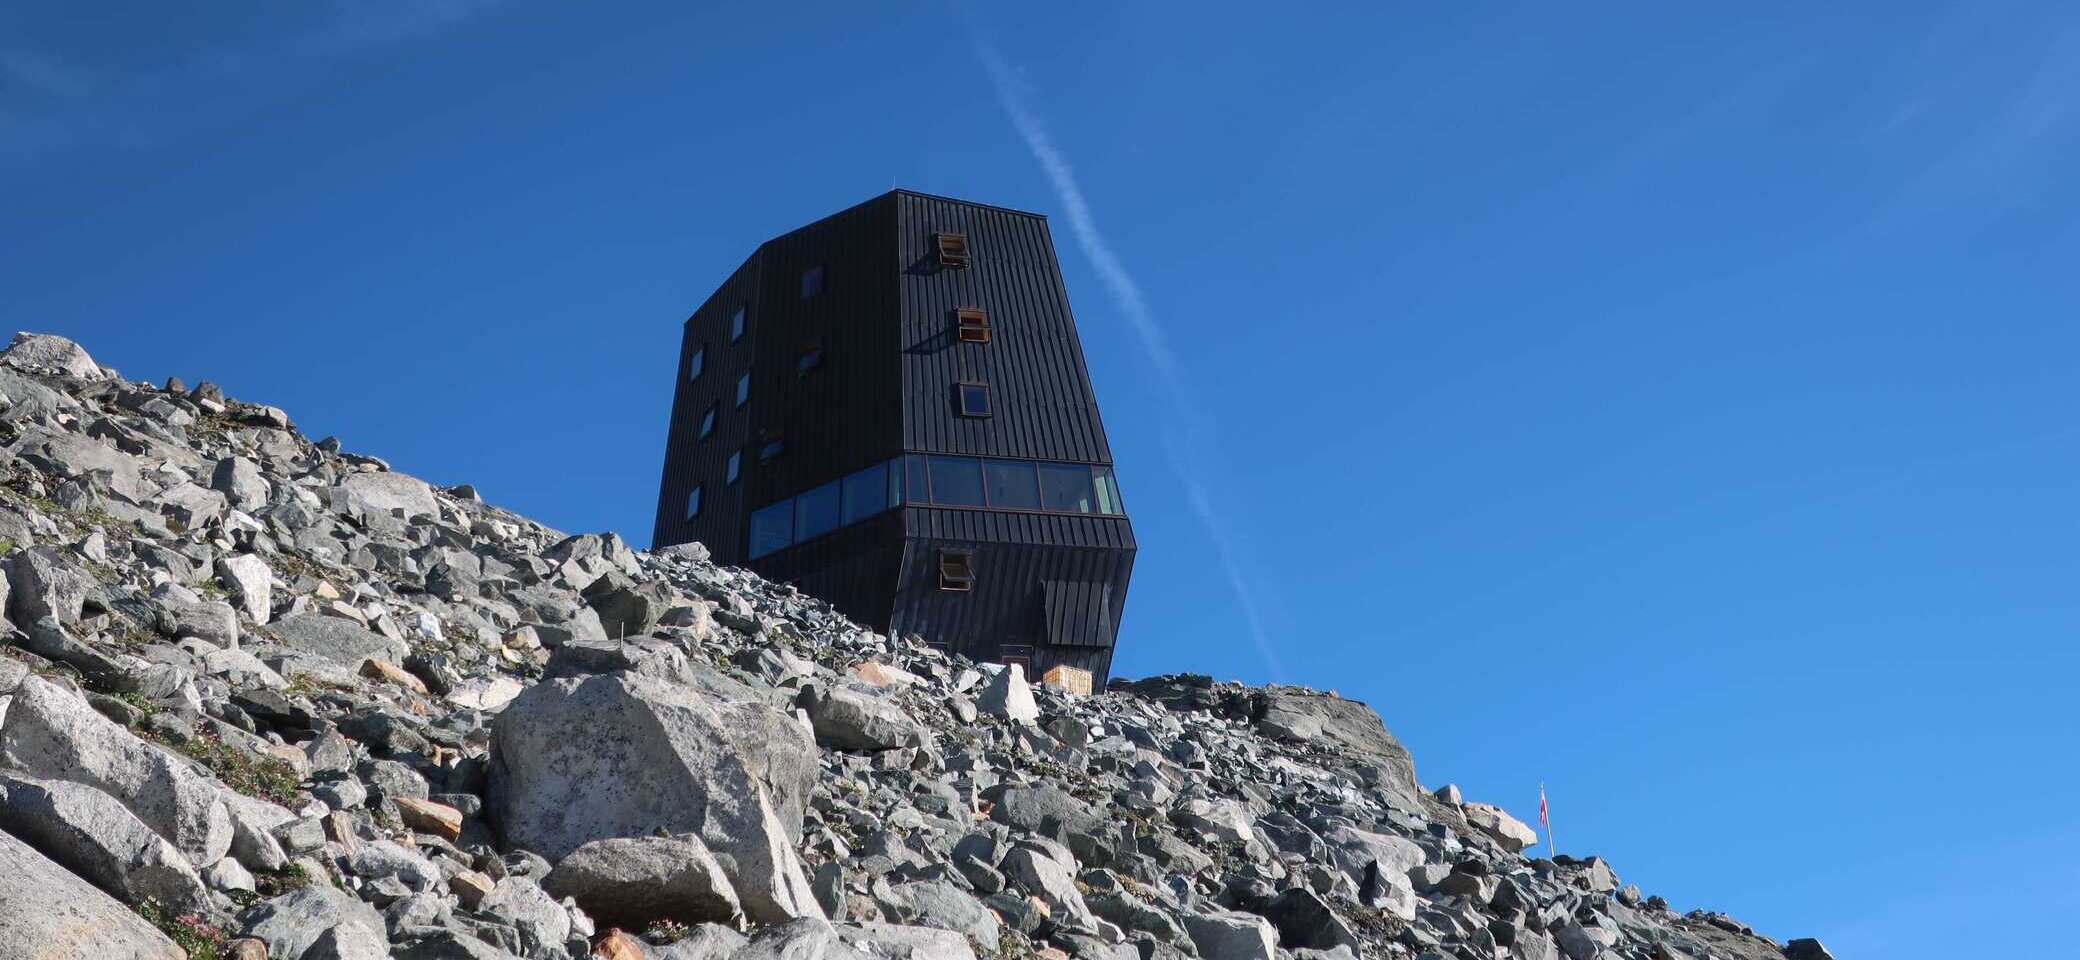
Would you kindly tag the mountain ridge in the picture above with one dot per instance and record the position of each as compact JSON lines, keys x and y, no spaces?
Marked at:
{"x":263,"y":697}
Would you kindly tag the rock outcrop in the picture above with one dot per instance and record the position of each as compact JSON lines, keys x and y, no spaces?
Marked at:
{"x":271,"y":696}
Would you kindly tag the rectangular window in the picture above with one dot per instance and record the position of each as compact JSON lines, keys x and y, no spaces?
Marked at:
{"x":708,"y":421}
{"x":974,"y":399}
{"x":866,"y":493}
{"x":1108,"y":491}
{"x":812,"y":281}
{"x":736,"y":325}
{"x":772,"y":528}
{"x":953,"y":249}
{"x":771,"y":445}
{"x":1066,"y":488}
{"x":920,"y":485}
{"x":733,"y":468}
{"x":696,"y":363}
{"x":956,"y":481}
{"x":693,"y":502}
{"x":895,"y":483}
{"x":811,"y":358}
{"x":1012,"y":484}
{"x":956,"y":570}
{"x":743,"y":388}
{"x":816,"y":512}
{"x":972,"y":324}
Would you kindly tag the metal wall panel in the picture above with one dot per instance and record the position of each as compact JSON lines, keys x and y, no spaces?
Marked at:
{"x":1044,"y":408}
{"x":1007,"y":604}
{"x":689,"y":459}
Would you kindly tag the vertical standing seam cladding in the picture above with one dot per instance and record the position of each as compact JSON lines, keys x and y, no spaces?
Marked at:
{"x":884,"y":323}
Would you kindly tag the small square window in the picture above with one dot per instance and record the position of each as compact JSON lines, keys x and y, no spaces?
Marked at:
{"x":696,"y":363}
{"x":736,"y":325}
{"x":972,"y":324}
{"x":811,"y":358}
{"x":693,"y":502}
{"x":956,"y":570}
{"x":743,"y":388}
{"x":734,"y":467}
{"x":771,"y":445}
{"x":953,"y":249}
{"x":974,"y":399}
{"x":708,"y":422}
{"x":812,"y":281}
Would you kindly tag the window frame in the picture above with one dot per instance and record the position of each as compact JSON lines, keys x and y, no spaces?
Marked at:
{"x":733,"y":468}
{"x":739,"y":322}
{"x":920,"y":490}
{"x":953,"y":248}
{"x":709,"y":417}
{"x":743,"y":395}
{"x":697,"y":363}
{"x":971,"y":325}
{"x":960,"y":399}
{"x":956,"y":570}
{"x":751,"y":551}
{"x":694,"y":498}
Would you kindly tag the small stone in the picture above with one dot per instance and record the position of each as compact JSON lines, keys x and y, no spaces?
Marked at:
{"x":470,"y":887}
{"x":427,"y":816}
{"x":392,"y":673}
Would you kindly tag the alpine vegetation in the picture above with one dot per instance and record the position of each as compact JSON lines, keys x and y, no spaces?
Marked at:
{"x":266,"y":698}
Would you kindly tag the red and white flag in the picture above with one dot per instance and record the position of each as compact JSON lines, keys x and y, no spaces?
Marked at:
{"x":1545,"y":821}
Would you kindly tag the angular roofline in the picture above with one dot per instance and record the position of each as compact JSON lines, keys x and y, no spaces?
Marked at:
{"x":899,"y":191}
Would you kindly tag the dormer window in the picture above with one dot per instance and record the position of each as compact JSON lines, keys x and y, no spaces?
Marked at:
{"x":953,"y":249}
{"x":972,"y":324}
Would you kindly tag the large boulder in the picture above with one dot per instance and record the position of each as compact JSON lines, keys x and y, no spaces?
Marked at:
{"x":43,"y":582}
{"x":1299,"y":715}
{"x":248,"y":579}
{"x":847,"y":719}
{"x":241,"y":482}
{"x":50,"y":914}
{"x":384,"y":500}
{"x":99,"y":839}
{"x":631,"y":881}
{"x":1232,"y":936}
{"x":294,"y":924}
{"x":337,"y":639}
{"x":48,"y":733}
{"x":83,"y":458}
{"x":1513,"y":834}
{"x":1007,"y":695}
{"x":674,"y":746}
{"x":44,"y":352}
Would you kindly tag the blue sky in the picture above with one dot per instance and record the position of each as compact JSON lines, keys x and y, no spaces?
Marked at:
{"x":1672,"y":404}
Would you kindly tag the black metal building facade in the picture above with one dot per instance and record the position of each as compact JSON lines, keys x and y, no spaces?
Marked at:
{"x":889,"y":408}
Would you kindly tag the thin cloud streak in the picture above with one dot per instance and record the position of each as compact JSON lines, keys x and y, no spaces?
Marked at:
{"x":1179,"y":448}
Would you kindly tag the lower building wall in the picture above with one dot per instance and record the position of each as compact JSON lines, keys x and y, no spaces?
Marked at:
{"x":1004,"y":618}
{"x":854,"y":569}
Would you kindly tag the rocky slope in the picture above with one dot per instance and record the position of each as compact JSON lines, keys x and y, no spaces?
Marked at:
{"x":262,"y":697}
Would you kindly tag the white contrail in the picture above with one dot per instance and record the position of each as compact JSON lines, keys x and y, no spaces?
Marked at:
{"x":1180,"y":447}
